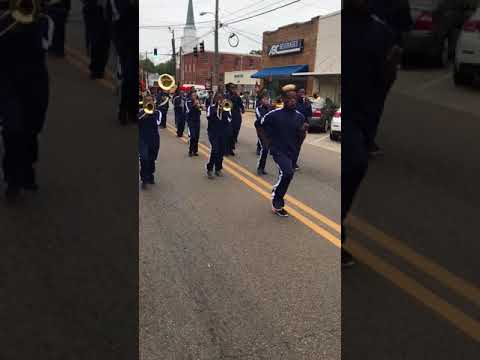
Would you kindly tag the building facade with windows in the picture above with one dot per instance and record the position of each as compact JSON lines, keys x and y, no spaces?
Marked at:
{"x":307,"y":54}
{"x":199,"y":69}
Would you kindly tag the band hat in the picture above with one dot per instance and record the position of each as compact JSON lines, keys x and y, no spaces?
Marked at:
{"x":289,"y":87}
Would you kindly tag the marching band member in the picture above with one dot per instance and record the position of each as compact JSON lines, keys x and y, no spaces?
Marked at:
{"x":23,"y":109}
{"x":193,"y":111}
{"x":179,"y":108}
{"x":305,"y":107}
{"x":237,"y":111}
{"x":282,"y":129}
{"x":148,"y":140}
{"x":161,"y":97}
{"x":262,"y":109}
{"x":123,"y":15}
{"x":218,"y":131}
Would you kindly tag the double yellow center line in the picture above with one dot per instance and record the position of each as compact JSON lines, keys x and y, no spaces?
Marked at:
{"x":330,"y":231}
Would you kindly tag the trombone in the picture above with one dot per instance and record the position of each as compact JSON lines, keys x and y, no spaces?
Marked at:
{"x":225,"y":106}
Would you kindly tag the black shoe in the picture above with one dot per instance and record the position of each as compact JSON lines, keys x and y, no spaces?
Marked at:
{"x":347,"y":259}
{"x":163,"y":126}
{"x":195,"y":154}
{"x":374,"y":150}
{"x":261,"y":172}
{"x":280,"y":212}
{"x":151,"y":182}
{"x":210,"y":174}
{"x":144,"y":185}
{"x":12,"y":193}
{"x":231,"y":153}
{"x":190,"y":154}
{"x":219,"y":173}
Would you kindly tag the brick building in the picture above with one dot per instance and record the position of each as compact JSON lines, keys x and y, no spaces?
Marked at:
{"x":198,"y":69}
{"x":287,"y":50}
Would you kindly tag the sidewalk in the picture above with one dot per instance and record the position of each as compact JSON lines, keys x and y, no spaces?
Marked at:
{"x":61,"y":246}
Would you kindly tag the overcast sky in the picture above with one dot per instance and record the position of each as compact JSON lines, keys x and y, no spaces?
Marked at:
{"x":174,"y":12}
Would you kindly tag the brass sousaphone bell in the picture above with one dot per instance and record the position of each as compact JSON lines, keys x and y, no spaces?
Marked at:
{"x":166,"y":82}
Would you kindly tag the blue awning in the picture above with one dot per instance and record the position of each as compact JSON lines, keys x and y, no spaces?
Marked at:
{"x":280,"y":71}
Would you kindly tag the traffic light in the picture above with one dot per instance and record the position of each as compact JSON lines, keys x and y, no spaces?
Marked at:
{"x":195,"y":51}
{"x":155,"y":52}
{"x":202,"y":47}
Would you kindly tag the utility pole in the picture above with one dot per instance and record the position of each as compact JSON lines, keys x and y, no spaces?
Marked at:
{"x":146,"y":61}
{"x":216,"y":63}
{"x":174,"y":56}
{"x":180,"y":75}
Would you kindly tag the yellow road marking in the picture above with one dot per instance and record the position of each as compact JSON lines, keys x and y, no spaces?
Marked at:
{"x":451,"y":313}
{"x":442,"y":275}
{"x":325,"y":220}
{"x":310,"y":224}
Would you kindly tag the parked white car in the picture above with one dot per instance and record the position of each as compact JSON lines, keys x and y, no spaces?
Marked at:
{"x":467,"y":53}
{"x":336,"y":125}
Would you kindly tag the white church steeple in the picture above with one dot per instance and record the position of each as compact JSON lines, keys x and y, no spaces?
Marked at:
{"x":189,"y":39}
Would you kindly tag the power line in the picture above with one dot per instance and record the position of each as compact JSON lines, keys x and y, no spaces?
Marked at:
{"x":251,"y":11}
{"x":262,"y":13}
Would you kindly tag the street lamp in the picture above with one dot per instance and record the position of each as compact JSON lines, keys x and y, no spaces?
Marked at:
{"x":216,"y":62}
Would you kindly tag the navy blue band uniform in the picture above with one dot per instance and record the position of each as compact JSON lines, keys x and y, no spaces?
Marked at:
{"x":219,"y":123}
{"x":23,"y":108}
{"x":149,"y":144}
{"x":262,"y":146}
{"x":284,"y":128}
{"x":192,"y":113}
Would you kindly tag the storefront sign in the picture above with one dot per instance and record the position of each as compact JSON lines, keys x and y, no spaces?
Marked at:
{"x":287,"y":47}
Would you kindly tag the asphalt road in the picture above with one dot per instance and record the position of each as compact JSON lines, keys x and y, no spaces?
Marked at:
{"x":221,"y":277}
{"x":415,"y":293}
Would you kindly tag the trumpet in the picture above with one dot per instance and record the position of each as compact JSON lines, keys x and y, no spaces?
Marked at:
{"x":167,"y":82}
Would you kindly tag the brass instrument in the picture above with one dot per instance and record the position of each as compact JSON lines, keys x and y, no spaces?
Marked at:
{"x":148,"y":106}
{"x":164,"y":99}
{"x":167,"y":82}
{"x":20,"y":12}
{"x":278,"y":104}
{"x":225,"y":106}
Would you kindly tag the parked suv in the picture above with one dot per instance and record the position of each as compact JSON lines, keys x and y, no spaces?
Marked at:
{"x":437,"y":25}
{"x":467,"y":55}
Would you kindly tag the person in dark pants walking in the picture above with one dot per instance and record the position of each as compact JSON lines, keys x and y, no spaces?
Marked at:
{"x":193,"y":111}
{"x":98,"y":37}
{"x":24,"y":96}
{"x":282,"y":129}
{"x":163,"y":99}
{"x":262,"y":109}
{"x":218,"y":131}
{"x":368,"y":65}
{"x":124,"y":17}
{"x":237,"y":111}
{"x":148,"y":140}
{"x":396,"y":17}
{"x":305,"y":108}
{"x":179,"y":108}
{"x":58,"y":11}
